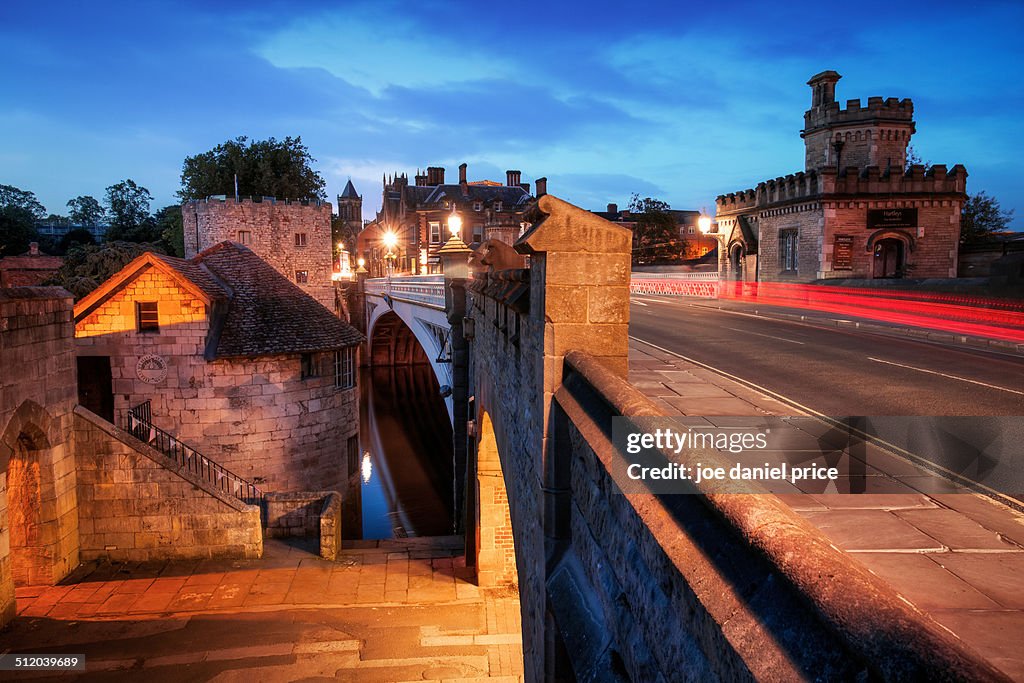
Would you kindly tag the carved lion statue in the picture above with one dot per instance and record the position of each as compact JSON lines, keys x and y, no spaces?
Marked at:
{"x":494,"y":255}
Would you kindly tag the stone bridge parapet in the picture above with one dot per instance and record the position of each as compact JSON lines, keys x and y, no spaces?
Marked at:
{"x":644,"y":587}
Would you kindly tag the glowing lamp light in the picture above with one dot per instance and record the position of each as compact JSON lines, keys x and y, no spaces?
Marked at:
{"x":361,"y":262}
{"x":704,"y":223}
{"x":367,"y":467}
{"x":390,"y":239}
{"x":454,"y":224}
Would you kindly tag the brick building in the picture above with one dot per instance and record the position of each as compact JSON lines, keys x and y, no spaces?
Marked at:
{"x":418,"y":216}
{"x":237,"y":362}
{"x":292,"y":236}
{"x":855,"y":211}
{"x":29,"y":269}
{"x":696,"y":243}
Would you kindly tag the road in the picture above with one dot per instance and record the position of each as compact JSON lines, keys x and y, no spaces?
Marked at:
{"x":835,"y":371}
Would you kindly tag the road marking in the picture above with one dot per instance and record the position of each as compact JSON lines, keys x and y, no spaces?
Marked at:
{"x":896,"y":450}
{"x":638,"y":303}
{"x":657,"y":301}
{"x":942,"y":374}
{"x":770,"y":336}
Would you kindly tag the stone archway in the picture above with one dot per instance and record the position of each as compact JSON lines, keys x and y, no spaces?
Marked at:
{"x":737,"y":258}
{"x":39,"y":546}
{"x":495,"y":547}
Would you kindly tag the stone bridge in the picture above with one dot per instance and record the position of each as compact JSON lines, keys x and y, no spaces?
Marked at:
{"x":637,"y":587}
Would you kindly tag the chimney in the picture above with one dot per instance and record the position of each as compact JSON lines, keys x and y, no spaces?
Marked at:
{"x":613,"y":208}
{"x":823,"y":88}
{"x":542,"y":187}
{"x":462,"y":174}
{"x":512,"y":178}
{"x":421,"y":180}
{"x":435,"y":175}
{"x":33,"y":248}
{"x":526,"y":187}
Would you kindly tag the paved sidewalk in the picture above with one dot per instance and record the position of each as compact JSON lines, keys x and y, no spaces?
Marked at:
{"x":385,"y":611}
{"x":956,"y":556}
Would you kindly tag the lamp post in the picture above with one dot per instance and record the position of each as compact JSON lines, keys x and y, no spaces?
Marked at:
{"x":390,"y":240}
{"x":705,"y":223}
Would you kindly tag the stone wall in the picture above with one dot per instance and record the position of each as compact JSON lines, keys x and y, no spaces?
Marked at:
{"x":135,"y":505}
{"x":306,"y":514}
{"x":271,"y":226}
{"x":258,"y":417}
{"x":644,"y":587}
{"x":39,"y":532}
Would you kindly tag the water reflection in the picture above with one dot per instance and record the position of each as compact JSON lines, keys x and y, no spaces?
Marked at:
{"x":402,"y":485}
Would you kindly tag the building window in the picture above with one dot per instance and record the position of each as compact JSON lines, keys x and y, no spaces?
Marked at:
{"x":245,"y":237}
{"x":310,"y":366}
{"x":302,"y":277}
{"x":345,"y":368}
{"x":478,"y":206}
{"x":788,"y":251}
{"x":690,"y":230}
{"x":497,"y":206}
{"x":478,"y":233}
{"x":146,"y":316}
{"x":435,"y":232}
{"x":300,"y":239}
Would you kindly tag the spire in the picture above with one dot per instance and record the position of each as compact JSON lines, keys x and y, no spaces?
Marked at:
{"x":350,"y":191}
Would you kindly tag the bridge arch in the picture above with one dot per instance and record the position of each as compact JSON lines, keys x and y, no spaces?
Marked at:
{"x":407,"y":333}
{"x":495,"y":546}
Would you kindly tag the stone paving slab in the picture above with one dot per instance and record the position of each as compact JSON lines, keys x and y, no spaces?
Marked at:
{"x":955,"y":555}
{"x":380,"y":613}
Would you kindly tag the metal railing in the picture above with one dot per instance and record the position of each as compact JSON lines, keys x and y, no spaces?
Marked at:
{"x":706,"y":289}
{"x":140,"y":425}
{"x":427,"y":290}
{"x":690,"y":275}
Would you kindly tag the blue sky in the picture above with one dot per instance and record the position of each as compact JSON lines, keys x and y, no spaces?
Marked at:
{"x":674,"y":100}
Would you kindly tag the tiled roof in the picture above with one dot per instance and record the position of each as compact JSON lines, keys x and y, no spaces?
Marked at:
{"x":266,"y":314}
{"x":349,"y":192}
{"x":486,"y":193}
{"x":196,"y":275}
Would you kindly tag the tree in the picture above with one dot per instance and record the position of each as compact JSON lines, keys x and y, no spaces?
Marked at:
{"x":128,"y":209}
{"x":981,"y":218}
{"x":914,"y":159}
{"x":19,"y":211}
{"x":172,"y":232}
{"x":272,"y":168}
{"x":85,"y":210}
{"x":22,"y":199}
{"x":86,"y":266}
{"x":75,"y":237}
{"x":656,"y":237}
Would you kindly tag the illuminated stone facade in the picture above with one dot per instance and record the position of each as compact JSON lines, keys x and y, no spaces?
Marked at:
{"x":856,"y":211}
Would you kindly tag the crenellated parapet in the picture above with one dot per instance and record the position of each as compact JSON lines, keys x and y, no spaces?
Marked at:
{"x":916,"y":180}
{"x":792,"y":187}
{"x":269,"y":201}
{"x":878,"y":110}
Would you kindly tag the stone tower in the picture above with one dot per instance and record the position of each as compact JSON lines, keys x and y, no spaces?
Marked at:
{"x":876,"y":135}
{"x":350,"y":209}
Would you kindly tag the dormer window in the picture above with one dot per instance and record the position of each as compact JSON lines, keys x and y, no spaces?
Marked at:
{"x":497,"y":206}
{"x":478,"y":206}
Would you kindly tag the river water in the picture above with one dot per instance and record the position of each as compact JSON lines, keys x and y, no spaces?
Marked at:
{"x":403,"y":483}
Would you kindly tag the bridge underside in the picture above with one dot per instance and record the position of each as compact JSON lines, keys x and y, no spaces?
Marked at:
{"x":393,"y":343}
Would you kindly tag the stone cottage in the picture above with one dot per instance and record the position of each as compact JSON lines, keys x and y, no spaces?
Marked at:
{"x":235,"y":361}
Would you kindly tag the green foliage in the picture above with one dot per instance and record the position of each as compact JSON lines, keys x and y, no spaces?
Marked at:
{"x":981,"y":218}
{"x":172,"y":233}
{"x":85,"y":210}
{"x":87,"y":266}
{"x":271,"y":168}
{"x":17,"y":229}
{"x":75,"y":237}
{"x":656,"y":237}
{"x":128,"y":210}
{"x":22,"y":199}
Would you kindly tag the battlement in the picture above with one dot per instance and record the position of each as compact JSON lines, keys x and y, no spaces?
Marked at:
{"x":878,"y":110}
{"x":916,"y":180}
{"x":870,"y":180}
{"x":217,"y":199}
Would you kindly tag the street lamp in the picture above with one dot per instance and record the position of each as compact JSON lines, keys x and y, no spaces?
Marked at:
{"x":455,"y":254}
{"x":390,"y":240}
{"x":704,"y":223}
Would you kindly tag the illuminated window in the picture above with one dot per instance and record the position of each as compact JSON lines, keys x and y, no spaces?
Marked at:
{"x":300,"y":239}
{"x":435,"y":232}
{"x":245,"y":237}
{"x":345,"y":368}
{"x":302,"y":277}
{"x":478,"y":233}
{"x":146,"y":316}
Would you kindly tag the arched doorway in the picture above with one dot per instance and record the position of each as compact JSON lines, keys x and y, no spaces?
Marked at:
{"x":495,"y":548}
{"x":737,"y":255}
{"x":889,"y":255}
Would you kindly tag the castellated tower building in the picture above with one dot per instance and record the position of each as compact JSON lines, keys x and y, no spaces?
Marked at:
{"x":855,"y":211}
{"x":292,"y":236}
